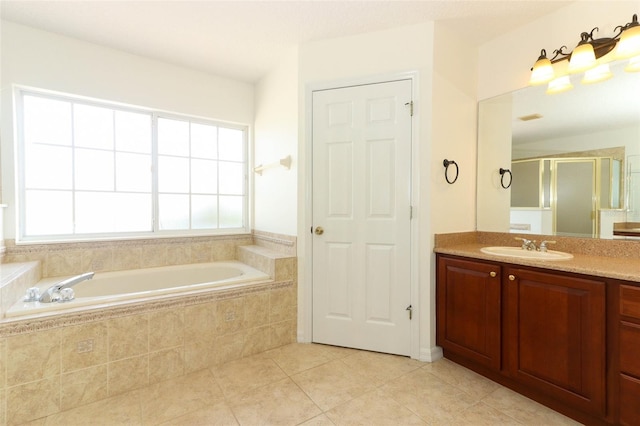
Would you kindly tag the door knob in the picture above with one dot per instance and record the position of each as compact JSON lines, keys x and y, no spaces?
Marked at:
{"x":319,"y":230}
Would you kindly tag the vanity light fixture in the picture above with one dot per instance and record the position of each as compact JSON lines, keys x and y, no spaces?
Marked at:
{"x":586,"y":57}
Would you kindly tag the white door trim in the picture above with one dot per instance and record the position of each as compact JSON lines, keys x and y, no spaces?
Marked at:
{"x":305,"y":300}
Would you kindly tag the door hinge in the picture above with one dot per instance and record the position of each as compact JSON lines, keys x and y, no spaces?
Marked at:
{"x":410,"y":105}
{"x":410,"y":309}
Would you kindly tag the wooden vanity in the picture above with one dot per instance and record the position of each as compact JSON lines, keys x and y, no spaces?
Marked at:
{"x":566,"y":339}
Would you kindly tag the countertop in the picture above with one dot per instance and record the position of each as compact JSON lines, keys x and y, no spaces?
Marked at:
{"x":622,"y":268}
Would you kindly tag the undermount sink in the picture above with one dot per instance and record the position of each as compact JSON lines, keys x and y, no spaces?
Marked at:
{"x":527,"y":254}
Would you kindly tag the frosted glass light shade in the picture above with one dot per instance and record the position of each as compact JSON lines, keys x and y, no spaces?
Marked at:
{"x":542,"y":72}
{"x":582,"y":58}
{"x":629,"y":44}
{"x":597,"y":74}
{"x":559,"y":85}
{"x":634,"y":64}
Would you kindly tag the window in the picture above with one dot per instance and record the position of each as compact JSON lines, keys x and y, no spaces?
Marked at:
{"x":93,"y":169}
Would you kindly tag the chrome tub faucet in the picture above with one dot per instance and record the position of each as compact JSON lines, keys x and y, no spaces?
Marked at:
{"x":58,"y":292}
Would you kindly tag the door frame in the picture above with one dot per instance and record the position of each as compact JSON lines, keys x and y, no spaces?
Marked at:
{"x":305,"y":299}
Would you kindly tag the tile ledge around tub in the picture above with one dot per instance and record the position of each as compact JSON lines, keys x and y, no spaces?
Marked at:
{"x":11,"y":271}
{"x":600,"y":266}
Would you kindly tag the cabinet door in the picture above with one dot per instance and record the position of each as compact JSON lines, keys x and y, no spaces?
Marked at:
{"x":556,"y":336}
{"x":468,"y":309}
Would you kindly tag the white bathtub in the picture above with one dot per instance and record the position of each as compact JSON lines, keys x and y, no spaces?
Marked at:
{"x":132,"y":285}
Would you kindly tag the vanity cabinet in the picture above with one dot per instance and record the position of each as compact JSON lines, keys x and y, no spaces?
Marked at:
{"x":628,"y":327}
{"x":539,"y":332}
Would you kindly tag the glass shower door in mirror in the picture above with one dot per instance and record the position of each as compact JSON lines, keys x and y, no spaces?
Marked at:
{"x":574,"y":207}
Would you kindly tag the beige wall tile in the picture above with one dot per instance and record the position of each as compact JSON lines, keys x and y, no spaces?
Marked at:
{"x":198,"y":355}
{"x":283,"y":333}
{"x":230,"y":315}
{"x":166,"y":364}
{"x":33,"y":400}
{"x":256,"y":309}
{"x":224,"y":250}
{"x":166,"y":329}
{"x":126,"y":258}
{"x":128,"y":336}
{"x":154,"y":255}
{"x":3,"y":407}
{"x":201,"y":252}
{"x":227,"y":348}
{"x":200,"y":322}
{"x":33,"y":356}
{"x":3,"y":364}
{"x":63,"y":262}
{"x":256,"y":340}
{"x":285,"y":269}
{"x":128,"y":374}
{"x":83,"y":386}
{"x":178,"y":254}
{"x":84,"y":346}
{"x":97,"y":260}
{"x":283,"y":304}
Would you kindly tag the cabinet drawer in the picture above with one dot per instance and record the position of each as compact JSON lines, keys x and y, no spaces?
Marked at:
{"x":629,"y":397}
{"x":630,"y":348}
{"x":630,"y":301}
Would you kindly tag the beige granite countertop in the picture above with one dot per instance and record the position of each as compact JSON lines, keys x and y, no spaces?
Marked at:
{"x":619,"y":259}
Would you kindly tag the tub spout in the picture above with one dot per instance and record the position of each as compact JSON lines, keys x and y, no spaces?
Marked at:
{"x":52,"y":294}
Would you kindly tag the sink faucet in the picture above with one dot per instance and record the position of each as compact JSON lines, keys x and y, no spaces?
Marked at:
{"x":50,"y":294}
{"x":528,"y":244}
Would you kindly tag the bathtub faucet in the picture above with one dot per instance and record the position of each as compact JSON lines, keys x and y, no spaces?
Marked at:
{"x":52,"y":294}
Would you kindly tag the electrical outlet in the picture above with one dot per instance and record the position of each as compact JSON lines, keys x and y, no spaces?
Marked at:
{"x":84,"y":346}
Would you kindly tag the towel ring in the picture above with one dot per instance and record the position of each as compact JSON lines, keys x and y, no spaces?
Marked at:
{"x":446,"y":163}
{"x":503,"y":172}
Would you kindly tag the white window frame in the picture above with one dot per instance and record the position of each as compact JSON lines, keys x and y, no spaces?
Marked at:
{"x":19,"y":171}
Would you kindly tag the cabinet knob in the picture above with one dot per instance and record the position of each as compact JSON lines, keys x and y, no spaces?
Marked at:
{"x":492,"y":274}
{"x":512,"y":277}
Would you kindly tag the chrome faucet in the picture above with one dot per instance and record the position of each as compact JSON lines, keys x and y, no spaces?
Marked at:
{"x":528,"y":244}
{"x":52,"y":294}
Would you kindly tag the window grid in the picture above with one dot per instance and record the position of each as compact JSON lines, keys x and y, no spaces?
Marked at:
{"x":117,"y":188}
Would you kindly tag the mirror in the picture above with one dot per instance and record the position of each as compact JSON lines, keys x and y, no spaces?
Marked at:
{"x":574,"y":158}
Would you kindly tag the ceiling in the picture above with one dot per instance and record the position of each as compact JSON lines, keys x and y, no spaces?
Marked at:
{"x":245,"y":39}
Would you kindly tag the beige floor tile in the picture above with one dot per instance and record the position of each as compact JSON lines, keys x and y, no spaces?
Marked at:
{"x":428,"y":396}
{"x":173,"y":398}
{"x":524,"y":409}
{"x":118,"y":410}
{"x":321,"y":420}
{"x":297,"y":357}
{"x":280,"y":403}
{"x":381,"y":367}
{"x":333,"y":383}
{"x":481,"y":414}
{"x":373,"y":408}
{"x":219,"y":414}
{"x":247,"y":374}
{"x":469,"y":381}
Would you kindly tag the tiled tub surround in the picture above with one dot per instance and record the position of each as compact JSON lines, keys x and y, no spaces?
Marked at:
{"x":53,"y":363}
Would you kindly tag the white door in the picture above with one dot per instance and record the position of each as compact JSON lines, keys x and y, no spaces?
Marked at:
{"x":361,"y":216}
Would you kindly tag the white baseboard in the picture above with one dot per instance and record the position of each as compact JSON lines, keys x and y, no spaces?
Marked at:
{"x":431,"y":354}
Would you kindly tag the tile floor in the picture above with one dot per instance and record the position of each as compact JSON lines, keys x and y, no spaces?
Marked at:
{"x":312,"y":384}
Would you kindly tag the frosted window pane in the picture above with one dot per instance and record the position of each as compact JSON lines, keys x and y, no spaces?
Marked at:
{"x":133,"y":172}
{"x":204,"y":212}
{"x":173,"y":137}
{"x":94,"y":170}
{"x":47,"y":121}
{"x":173,"y":174}
{"x":204,"y":176}
{"x":48,"y":167}
{"x":48,"y":213}
{"x":133,"y":132}
{"x":231,"y":212}
{"x":231,"y":178}
{"x":133,"y":212}
{"x":173,"y":211}
{"x":230,"y":144}
{"x":94,"y":212}
{"x":204,"y":141}
{"x":92,"y":126}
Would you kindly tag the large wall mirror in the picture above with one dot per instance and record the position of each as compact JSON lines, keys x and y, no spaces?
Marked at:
{"x":574,"y":158}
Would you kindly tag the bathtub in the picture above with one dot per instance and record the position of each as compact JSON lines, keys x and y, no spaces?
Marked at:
{"x":107,"y":288}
